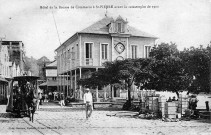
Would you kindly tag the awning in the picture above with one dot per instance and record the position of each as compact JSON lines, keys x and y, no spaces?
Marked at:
{"x":43,"y":84}
{"x":3,"y":80}
{"x":51,"y":83}
{"x":48,"y":84}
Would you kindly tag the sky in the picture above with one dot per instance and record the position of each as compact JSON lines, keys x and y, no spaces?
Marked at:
{"x":184,"y":22}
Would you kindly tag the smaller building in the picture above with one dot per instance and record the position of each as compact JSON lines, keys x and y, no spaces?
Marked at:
{"x":50,"y":86}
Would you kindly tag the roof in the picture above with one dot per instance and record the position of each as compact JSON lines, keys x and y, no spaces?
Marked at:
{"x":101,"y":27}
{"x":48,"y":84}
{"x":52,"y":64}
{"x":25,"y":78}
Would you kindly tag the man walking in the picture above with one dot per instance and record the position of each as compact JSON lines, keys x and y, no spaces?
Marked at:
{"x":62,"y":100}
{"x":88,"y":102}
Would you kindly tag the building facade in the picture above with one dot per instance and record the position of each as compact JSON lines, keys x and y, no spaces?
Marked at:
{"x":4,"y":73}
{"x":11,"y":64}
{"x":16,"y":53}
{"x":106,"y":40}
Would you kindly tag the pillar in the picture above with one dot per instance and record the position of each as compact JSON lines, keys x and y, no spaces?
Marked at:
{"x":71,"y":83}
{"x":80,"y":89}
{"x":97,"y":97}
{"x":75,"y":84}
{"x":67,"y":84}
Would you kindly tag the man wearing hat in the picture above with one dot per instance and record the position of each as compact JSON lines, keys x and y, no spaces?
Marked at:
{"x":88,"y":102}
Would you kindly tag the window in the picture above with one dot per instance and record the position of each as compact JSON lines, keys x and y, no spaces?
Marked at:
{"x":65,"y":58}
{"x":77,"y":51}
{"x":119,"y":27}
{"x":147,"y":51}
{"x":104,"y":51}
{"x":73,"y":53}
{"x":88,"y":50}
{"x":134,"y":51}
{"x":68,"y":53}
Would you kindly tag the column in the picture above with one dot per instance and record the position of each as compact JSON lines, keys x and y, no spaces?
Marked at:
{"x":79,"y":45}
{"x":75,"y":84}
{"x":112,"y":42}
{"x":81,"y":94}
{"x":127,"y":49}
{"x":97,"y":97}
{"x":67,"y":84}
{"x":71,"y":82}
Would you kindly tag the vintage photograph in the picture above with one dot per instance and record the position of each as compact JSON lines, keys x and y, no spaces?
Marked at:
{"x":104,"y":67}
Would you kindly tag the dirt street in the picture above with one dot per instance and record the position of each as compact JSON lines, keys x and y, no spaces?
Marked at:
{"x":54,"y":120}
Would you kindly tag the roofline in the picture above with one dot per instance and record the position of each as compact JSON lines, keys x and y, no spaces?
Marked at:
{"x":95,"y":34}
{"x":145,"y":37}
{"x":51,"y":67}
{"x":66,"y":41}
{"x":10,"y":41}
{"x":111,"y":33}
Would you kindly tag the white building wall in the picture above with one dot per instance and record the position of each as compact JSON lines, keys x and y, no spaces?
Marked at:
{"x":4,"y":62}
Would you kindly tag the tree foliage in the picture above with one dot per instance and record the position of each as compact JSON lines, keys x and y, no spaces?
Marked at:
{"x":197,"y":63}
{"x":119,"y":73}
{"x":169,"y":68}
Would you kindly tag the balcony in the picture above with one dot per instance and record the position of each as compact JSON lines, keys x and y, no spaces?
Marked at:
{"x":89,"y":62}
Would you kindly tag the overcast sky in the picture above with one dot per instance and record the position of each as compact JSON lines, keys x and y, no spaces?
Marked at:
{"x":185,"y":22}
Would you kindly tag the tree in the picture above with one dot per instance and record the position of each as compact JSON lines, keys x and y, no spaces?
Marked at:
{"x":197,"y":64}
{"x":123,"y":72}
{"x":30,"y":64}
{"x":169,"y":68}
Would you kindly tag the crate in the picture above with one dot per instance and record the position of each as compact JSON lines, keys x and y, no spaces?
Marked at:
{"x":170,"y":109}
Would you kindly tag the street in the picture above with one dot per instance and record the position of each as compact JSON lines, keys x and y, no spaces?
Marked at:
{"x":52,"y":119}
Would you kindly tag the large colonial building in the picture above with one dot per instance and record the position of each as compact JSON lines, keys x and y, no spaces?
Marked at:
{"x":108,"y":39}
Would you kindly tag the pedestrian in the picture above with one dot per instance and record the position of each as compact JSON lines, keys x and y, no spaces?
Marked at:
{"x":88,"y":103}
{"x":169,"y":100}
{"x":174,"y":98}
{"x":193,"y":102}
{"x":38,"y":100}
{"x":62,"y":100}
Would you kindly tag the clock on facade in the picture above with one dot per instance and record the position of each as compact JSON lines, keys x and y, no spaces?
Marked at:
{"x":119,"y":47}
{"x":119,"y":58}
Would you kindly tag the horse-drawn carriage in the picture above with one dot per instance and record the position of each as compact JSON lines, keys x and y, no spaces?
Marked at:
{"x":23,"y":96}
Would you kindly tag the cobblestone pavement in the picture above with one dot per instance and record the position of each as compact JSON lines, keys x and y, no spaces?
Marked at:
{"x":54,"y":120}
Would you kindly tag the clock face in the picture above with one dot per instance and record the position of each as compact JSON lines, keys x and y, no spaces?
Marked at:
{"x":119,"y":47}
{"x":119,"y":58}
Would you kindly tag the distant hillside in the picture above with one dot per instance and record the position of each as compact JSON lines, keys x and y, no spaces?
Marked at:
{"x":36,"y":66}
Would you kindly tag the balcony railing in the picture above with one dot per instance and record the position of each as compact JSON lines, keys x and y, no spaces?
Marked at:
{"x":89,"y":62}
